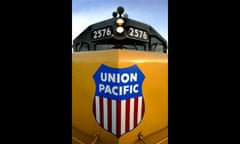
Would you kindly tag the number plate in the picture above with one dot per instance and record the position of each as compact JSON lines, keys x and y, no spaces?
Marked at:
{"x":102,"y":33}
{"x":137,"y":33}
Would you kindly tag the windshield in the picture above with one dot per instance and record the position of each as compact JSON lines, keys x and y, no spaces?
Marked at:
{"x":124,"y":46}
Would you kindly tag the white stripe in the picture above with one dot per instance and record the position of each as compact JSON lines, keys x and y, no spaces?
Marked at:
{"x":114,"y":117}
{"x":139,"y":112}
{"x":131,"y":114}
{"x":105,"y":113}
{"x":123,"y":116}
{"x":97,"y":109}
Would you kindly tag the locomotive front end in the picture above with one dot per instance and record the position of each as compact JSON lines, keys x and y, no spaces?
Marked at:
{"x":119,"y":84}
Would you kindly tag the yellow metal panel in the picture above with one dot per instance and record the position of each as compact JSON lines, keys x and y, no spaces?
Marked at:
{"x":155,"y":93}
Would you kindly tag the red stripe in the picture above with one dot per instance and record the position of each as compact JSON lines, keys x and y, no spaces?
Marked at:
{"x":127,"y":114}
{"x":101,"y":111}
{"x":109,"y":115}
{"x":143,"y":108}
{"x":135,"y":111}
{"x":94,"y":107}
{"x":118,"y":118}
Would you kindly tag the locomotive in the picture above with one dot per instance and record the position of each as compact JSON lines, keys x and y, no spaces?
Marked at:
{"x":119,"y":83}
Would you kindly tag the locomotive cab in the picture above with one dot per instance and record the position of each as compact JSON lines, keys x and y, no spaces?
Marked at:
{"x":119,"y":83}
{"x":120,"y":32}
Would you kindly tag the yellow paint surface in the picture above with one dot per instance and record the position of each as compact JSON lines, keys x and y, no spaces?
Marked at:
{"x":154,"y":126}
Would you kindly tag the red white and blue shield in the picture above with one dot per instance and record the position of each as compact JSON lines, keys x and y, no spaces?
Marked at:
{"x":118,"y":105}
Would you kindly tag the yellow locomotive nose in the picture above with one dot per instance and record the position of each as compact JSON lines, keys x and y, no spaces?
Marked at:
{"x":119,"y":97}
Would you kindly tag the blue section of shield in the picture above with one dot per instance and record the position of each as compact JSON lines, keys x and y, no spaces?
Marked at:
{"x":118,"y":83}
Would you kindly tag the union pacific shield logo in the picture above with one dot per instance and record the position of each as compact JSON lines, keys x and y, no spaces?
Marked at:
{"x":118,"y":105}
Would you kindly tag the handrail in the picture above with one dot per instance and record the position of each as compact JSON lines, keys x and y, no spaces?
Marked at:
{"x":96,"y":137}
{"x":140,"y":137}
{"x":162,"y":140}
{"x":77,"y":140}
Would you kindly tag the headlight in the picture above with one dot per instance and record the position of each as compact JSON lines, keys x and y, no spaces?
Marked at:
{"x":120,"y":21}
{"x":120,"y":29}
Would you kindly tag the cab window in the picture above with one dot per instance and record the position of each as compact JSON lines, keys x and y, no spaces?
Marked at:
{"x":156,"y":45}
{"x":112,"y":46}
{"x":103,"y":46}
{"x":84,"y":47}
